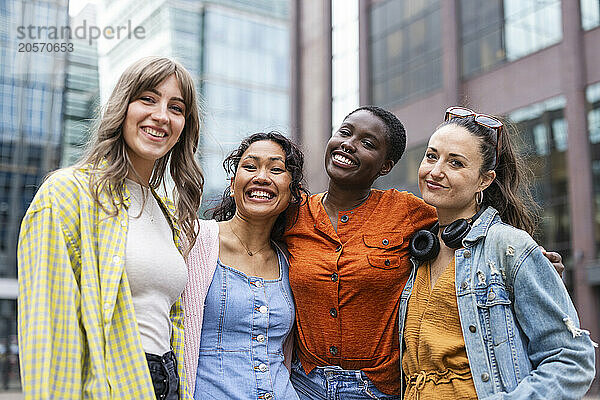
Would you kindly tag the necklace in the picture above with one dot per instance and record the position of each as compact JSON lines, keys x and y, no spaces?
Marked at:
{"x":250,"y":253}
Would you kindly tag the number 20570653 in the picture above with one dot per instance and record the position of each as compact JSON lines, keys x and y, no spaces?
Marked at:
{"x":45,"y":47}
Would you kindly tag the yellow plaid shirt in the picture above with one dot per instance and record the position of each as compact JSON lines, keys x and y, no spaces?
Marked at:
{"x":78,"y":335}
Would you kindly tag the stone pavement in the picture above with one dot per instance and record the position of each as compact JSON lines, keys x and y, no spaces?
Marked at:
{"x":11,"y":396}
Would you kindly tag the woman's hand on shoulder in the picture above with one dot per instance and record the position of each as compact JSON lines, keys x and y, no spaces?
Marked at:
{"x":555,"y":259}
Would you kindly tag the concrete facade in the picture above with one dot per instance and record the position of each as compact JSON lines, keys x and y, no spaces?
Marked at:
{"x":311,"y":77}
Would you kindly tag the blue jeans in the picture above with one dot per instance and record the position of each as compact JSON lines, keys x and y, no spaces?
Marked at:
{"x":334,"y":383}
{"x":163,"y":371}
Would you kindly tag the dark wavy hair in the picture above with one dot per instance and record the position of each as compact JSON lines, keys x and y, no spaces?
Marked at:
{"x":294,"y":163}
{"x":510,"y":192}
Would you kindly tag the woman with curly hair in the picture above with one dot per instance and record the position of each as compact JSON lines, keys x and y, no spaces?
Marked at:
{"x":239,"y":285}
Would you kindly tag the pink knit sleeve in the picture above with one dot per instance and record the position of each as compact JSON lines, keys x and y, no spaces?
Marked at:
{"x":201,"y":263}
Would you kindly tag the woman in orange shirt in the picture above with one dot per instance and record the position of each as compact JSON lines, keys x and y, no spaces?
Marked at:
{"x":350,"y":262}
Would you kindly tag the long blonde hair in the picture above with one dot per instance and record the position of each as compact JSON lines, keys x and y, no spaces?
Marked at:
{"x":107,"y":153}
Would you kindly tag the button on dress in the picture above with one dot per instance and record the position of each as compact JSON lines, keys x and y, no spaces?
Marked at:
{"x":246,"y":321}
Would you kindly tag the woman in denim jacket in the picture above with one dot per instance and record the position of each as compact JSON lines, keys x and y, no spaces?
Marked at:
{"x":485,"y":315}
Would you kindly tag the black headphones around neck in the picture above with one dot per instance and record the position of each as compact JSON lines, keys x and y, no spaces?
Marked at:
{"x":425,"y":245}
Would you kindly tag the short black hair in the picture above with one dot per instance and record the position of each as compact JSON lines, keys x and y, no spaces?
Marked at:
{"x":395,"y":132}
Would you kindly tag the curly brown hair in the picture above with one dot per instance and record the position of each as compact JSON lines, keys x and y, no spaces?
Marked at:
{"x":294,"y":163}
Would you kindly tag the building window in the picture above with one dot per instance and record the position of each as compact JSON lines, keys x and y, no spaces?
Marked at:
{"x":406,"y":54}
{"x":590,"y":14}
{"x":593,"y":100}
{"x":344,"y":62}
{"x":494,"y":32}
{"x":542,"y":131}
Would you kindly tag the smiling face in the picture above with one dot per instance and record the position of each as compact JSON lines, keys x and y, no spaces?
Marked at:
{"x":153,"y":124}
{"x":449,"y":175}
{"x":356,"y":154}
{"x":261,"y":185}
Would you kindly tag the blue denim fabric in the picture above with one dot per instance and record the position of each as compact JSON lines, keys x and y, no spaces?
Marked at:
{"x":520,"y":327}
{"x":246,"y":321}
{"x":163,"y":371}
{"x":334,"y":383}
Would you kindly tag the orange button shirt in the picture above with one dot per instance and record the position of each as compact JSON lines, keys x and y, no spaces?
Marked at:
{"x":347,"y":284}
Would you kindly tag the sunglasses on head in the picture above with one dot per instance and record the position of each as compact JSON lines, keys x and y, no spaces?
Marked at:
{"x":481,"y":119}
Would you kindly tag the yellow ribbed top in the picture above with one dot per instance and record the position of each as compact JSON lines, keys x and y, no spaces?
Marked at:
{"x":435,"y":361}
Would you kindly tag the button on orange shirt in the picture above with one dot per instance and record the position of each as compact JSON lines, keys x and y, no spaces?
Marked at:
{"x":347,"y":284}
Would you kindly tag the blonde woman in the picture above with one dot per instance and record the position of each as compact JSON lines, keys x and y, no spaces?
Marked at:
{"x":101,"y":267}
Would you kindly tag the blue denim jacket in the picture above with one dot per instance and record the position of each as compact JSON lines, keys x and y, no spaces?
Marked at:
{"x":520,"y":327}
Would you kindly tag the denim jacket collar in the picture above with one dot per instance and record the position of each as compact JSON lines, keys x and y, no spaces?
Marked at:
{"x":481,"y":226}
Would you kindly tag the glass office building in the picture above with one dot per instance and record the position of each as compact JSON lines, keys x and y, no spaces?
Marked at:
{"x":170,"y":29}
{"x":82,"y":91}
{"x":245,"y":83}
{"x":31,"y":99}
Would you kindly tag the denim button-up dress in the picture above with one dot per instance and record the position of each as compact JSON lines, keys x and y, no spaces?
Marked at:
{"x":246,"y":321}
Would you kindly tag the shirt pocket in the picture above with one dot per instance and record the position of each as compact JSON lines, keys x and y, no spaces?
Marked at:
{"x":496,"y":316}
{"x":385,"y":250}
{"x":495,"y":311}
